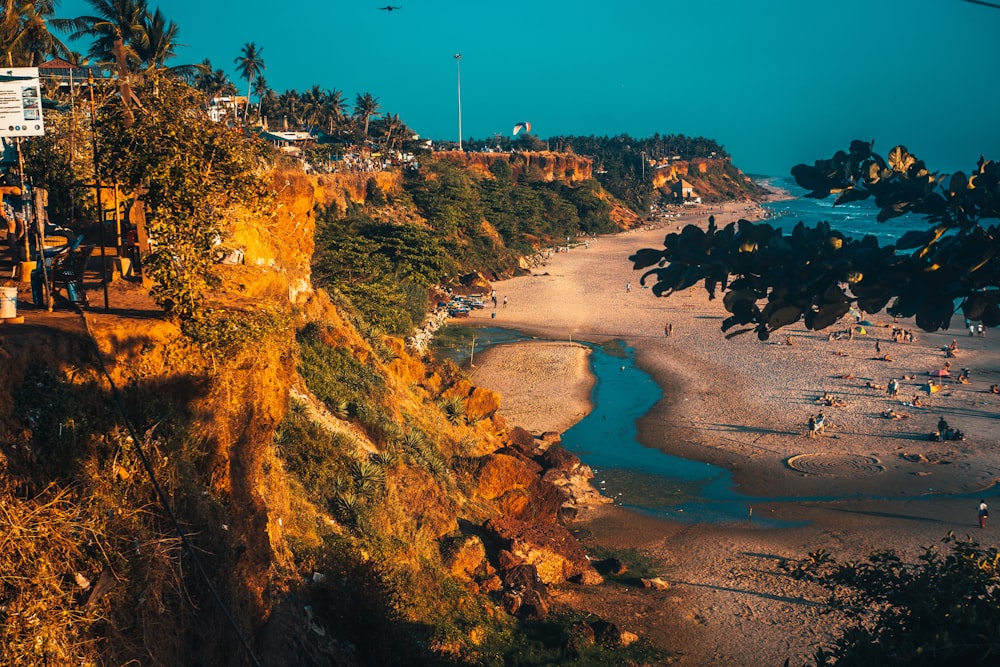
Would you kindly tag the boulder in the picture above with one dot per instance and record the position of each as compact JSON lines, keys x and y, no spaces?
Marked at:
{"x":589,"y":577}
{"x":551,"y":548}
{"x":466,"y":558}
{"x":556,"y":457}
{"x":523,"y":441}
{"x":500,"y":473}
{"x":524,"y":594}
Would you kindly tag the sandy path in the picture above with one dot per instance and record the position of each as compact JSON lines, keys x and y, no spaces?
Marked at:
{"x":744,"y":404}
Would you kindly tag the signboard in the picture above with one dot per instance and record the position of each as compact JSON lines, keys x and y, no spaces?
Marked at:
{"x":20,"y":103}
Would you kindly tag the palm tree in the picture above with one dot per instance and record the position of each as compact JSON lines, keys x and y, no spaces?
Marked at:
{"x":336,"y":106}
{"x":250,"y":66}
{"x":24,"y":31}
{"x":119,"y":31}
{"x":313,"y":105}
{"x":393,"y":126}
{"x":262,"y":92}
{"x":161,"y":42}
{"x":118,"y":28}
{"x":217,"y":84}
{"x":366,"y":106}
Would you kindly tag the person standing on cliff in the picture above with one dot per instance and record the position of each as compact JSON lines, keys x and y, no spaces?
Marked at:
{"x":983,"y":513}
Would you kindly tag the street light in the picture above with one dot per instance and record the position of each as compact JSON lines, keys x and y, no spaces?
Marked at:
{"x":458,"y":65}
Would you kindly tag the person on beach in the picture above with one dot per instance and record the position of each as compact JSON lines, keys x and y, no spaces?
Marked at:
{"x":820,"y":423}
{"x":628,"y":287}
{"x":668,"y":329}
{"x":812,"y":426}
{"x":893,"y":388}
{"x":983,"y":513}
{"x":505,"y":300}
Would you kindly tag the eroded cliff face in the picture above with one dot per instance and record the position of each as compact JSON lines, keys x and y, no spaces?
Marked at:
{"x":712,"y":179}
{"x":551,"y":166}
{"x":208,"y":418}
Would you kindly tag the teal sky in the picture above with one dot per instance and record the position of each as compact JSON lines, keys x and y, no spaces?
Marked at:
{"x":776,"y":83}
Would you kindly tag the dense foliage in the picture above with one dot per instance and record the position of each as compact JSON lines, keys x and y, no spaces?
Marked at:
{"x":525,"y":211}
{"x":618,"y":160}
{"x":816,"y":274}
{"x":191,"y":173}
{"x":384,"y":270}
{"x":942,"y":610}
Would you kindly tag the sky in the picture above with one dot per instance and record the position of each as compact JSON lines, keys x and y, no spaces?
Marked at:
{"x":775,"y":82}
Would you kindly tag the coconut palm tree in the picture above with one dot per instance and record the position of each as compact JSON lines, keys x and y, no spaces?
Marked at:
{"x":313,"y":105}
{"x":118,"y":28}
{"x":366,"y":106}
{"x":24,"y":32}
{"x":250,"y":66}
{"x":217,"y":84}
{"x":336,"y":106}
{"x":394,"y":128}
{"x":261,"y":90}
{"x":161,"y":42}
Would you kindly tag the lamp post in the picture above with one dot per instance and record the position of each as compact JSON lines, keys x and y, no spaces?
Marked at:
{"x":458,"y":65}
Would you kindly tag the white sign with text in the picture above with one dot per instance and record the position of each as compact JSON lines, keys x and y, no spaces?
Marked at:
{"x":20,"y":103}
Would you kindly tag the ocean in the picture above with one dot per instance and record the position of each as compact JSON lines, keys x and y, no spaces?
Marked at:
{"x":856,"y":219}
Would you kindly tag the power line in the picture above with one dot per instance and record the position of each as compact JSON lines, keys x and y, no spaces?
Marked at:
{"x":185,"y":541}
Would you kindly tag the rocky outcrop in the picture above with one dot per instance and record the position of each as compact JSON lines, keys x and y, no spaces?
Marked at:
{"x":550,"y":548}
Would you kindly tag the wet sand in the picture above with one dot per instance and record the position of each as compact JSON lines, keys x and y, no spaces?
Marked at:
{"x":743,"y":404}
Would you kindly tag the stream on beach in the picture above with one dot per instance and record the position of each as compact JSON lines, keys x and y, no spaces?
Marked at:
{"x":637,"y":477}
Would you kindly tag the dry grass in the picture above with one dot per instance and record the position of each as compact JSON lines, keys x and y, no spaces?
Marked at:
{"x":44,"y":608}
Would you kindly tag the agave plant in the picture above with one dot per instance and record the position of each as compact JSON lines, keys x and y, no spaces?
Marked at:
{"x":413,"y":440}
{"x":347,"y":506}
{"x":386,"y":459}
{"x":454,"y":409}
{"x":369,"y":477}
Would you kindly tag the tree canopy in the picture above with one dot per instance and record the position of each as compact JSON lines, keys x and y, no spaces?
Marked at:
{"x":940,"y":610}
{"x":817,"y":274}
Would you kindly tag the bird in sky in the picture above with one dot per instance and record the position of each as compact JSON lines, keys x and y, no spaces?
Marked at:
{"x":388,"y":8}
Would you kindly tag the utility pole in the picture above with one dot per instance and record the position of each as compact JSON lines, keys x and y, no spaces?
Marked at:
{"x":458,"y":65}
{"x":97,"y":187}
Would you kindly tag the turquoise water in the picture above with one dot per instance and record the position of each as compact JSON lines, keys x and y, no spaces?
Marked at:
{"x":856,"y":219}
{"x":639,"y":477}
{"x":635,"y":476}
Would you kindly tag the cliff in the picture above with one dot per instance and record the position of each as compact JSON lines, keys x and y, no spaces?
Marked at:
{"x":542,"y":165}
{"x":405,"y":520}
{"x":712,"y":179}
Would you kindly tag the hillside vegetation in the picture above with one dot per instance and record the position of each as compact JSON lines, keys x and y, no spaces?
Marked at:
{"x":244,"y":463}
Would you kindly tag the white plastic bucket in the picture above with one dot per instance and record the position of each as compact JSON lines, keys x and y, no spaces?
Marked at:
{"x":8,"y":302}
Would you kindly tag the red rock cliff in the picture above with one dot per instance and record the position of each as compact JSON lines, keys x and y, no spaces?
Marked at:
{"x":552,"y":166}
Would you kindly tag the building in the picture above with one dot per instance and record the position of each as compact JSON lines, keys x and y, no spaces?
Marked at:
{"x":685,"y":191}
{"x":65,"y":74}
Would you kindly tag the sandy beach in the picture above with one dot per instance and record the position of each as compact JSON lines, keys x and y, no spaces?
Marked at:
{"x":867,"y":483}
